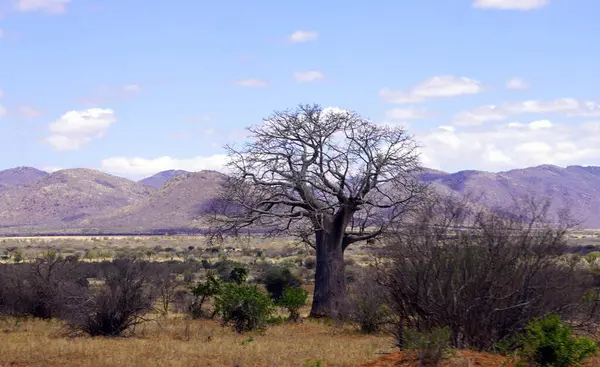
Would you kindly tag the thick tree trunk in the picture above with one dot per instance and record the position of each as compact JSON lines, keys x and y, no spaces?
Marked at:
{"x":330,"y":279}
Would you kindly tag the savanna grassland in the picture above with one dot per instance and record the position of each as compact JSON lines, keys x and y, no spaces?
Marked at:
{"x":176,"y":341}
{"x":173,"y":338}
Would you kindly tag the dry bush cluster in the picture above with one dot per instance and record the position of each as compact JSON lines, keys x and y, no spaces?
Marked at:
{"x":111,"y":298}
{"x":482,"y":275}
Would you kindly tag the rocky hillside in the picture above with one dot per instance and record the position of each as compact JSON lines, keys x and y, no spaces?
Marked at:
{"x":161,"y":178}
{"x":65,"y":198}
{"x":19,"y":176}
{"x":176,"y":204}
{"x":575,"y":187}
{"x":91,"y":200}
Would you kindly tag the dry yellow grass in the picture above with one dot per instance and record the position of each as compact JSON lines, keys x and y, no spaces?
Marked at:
{"x":180,"y":342}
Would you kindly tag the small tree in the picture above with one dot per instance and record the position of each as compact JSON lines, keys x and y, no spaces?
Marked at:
{"x":277,"y":278}
{"x":203,"y":292}
{"x":326,"y":176}
{"x":245,"y":306}
{"x":167,"y":285}
{"x":293,"y":299}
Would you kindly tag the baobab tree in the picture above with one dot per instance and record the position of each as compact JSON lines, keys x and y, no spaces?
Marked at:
{"x":326,"y":176}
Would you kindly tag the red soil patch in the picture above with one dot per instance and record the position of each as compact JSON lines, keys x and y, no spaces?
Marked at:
{"x":464,"y":358}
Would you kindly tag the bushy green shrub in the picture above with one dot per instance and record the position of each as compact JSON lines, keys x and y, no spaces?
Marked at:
{"x":432,"y":345}
{"x":277,"y":278}
{"x":244,"y":306}
{"x":548,"y":341}
{"x":293,"y":299}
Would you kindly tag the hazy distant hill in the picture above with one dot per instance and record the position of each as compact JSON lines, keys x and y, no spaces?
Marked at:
{"x":160,"y":178}
{"x":66,"y":197}
{"x":175,"y":204}
{"x":575,"y":187}
{"x":82,"y":198}
{"x":19,"y":176}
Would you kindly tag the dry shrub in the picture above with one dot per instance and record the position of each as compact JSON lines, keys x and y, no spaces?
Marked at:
{"x":367,"y":303}
{"x":484,"y":275}
{"x":118,"y":305}
{"x":42,"y":288}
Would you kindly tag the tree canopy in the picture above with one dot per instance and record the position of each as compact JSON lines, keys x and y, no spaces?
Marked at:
{"x":306,"y":169}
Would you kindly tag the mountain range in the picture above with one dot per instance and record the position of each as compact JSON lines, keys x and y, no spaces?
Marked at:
{"x":89,"y":201}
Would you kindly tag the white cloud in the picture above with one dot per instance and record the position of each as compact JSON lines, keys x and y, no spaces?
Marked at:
{"x":435,"y":87}
{"x":140,"y":167}
{"x":570,"y":107}
{"x":516,"y":83}
{"x":522,"y":5}
{"x":47,"y":6}
{"x":407,"y":114}
{"x":303,"y":36}
{"x":565,"y":106}
{"x":308,"y":76}
{"x":50,"y":169}
{"x":479,"y":115}
{"x":28,"y":112}
{"x":252,"y":82}
{"x":78,"y":128}
{"x":540,"y":124}
{"x":131,"y":88}
{"x":104,"y":94}
{"x":514,"y":145}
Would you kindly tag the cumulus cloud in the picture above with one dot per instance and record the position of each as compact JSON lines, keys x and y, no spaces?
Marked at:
{"x":140,"y":167}
{"x":46,"y":6}
{"x":522,"y":5}
{"x":252,"y":82}
{"x":513,"y":145}
{"x":435,"y":87}
{"x":410,"y":113}
{"x":303,"y":36}
{"x":570,"y":107}
{"x":308,"y":76}
{"x":516,"y":83}
{"x":76,"y":129}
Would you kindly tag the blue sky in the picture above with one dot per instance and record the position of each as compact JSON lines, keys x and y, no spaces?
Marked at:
{"x":134,"y":87}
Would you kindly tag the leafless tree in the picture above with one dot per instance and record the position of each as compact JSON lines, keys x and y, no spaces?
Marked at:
{"x":167,"y":284}
{"x":326,"y":176}
{"x":482,"y":274}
